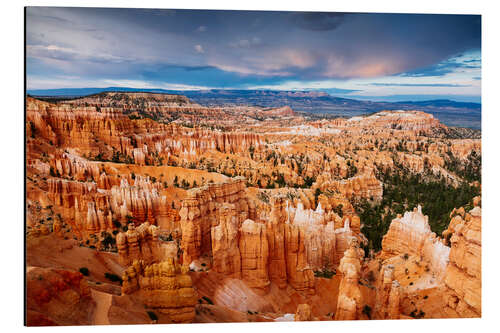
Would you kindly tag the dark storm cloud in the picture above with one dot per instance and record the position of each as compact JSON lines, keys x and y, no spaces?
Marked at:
{"x":318,"y":21}
{"x":445,"y":67}
{"x":244,"y":48}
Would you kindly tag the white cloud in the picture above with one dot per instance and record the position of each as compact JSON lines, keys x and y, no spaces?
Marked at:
{"x":199,"y":49}
{"x":38,"y":82}
{"x":201,"y":28}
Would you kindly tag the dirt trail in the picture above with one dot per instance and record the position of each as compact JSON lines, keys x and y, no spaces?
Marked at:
{"x":103,"y":302}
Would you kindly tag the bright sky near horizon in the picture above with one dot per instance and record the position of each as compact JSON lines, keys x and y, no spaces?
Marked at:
{"x":353,"y":55}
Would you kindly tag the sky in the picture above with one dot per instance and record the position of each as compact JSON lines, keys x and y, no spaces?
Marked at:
{"x":384,"y":57}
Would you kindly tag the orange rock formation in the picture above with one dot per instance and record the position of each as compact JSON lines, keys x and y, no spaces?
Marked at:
{"x":164,"y":287}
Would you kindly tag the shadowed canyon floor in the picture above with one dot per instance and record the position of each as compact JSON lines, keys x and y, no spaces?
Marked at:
{"x":150,"y":208}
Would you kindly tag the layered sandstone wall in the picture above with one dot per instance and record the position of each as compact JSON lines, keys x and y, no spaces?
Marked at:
{"x":201,"y":210}
{"x":363,"y":186}
{"x":463,"y":273}
{"x":164,"y":287}
{"x":139,"y":243}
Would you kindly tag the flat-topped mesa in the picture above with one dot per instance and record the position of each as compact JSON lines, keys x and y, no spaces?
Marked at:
{"x":139,"y":243}
{"x":131,"y":99}
{"x":463,"y":273}
{"x":199,"y":212}
{"x":285,"y":111}
{"x":350,"y":299}
{"x":411,"y":234}
{"x":399,"y":120}
{"x":163,"y":287}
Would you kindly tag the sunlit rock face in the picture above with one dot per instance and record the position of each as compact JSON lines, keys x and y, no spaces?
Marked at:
{"x":463,"y":273}
{"x":202,"y":209}
{"x":304,"y":313}
{"x":164,"y":287}
{"x":139,"y":243}
{"x":350,"y":299}
{"x":252,"y":209}
{"x":225,"y":242}
{"x":254,"y":249}
{"x":319,"y":235}
{"x":411,"y":235}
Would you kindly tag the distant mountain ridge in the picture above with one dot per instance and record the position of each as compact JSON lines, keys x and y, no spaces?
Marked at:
{"x":451,"y":113}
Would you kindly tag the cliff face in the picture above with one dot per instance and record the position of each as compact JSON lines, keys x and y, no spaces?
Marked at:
{"x":284,"y":246}
{"x":254,"y":250}
{"x":463,"y":273}
{"x":57,"y":297}
{"x":226,"y":255}
{"x":138,"y":244}
{"x":163,"y":287}
{"x":106,"y":131}
{"x":300,"y":275}
{"x":91,"y":209}
{"x":202,"y":209}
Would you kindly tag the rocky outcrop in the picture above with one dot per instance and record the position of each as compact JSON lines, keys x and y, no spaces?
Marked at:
{"x":395,"y":295}
{"x":276,"y":240}
{"x":57,"y":297}
{"x":254,"y":249}
{"x":319,"y":235}
{"x":304,"y":313}
{"x":387,"y":302}
{"x":350,"y":299}
{"x":139,"y":243}
{"x":226,"y":255}
{"x":399,"y":120}
{"x":411,"y":235}
{"x":363,"y":186}
{"x":463,"y":274}
{"x":300,"y":276}
{"x":200,"y":211}
{"x":164,"y":287}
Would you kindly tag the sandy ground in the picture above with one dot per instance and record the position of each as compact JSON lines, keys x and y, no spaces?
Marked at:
{"x":103,"y":302}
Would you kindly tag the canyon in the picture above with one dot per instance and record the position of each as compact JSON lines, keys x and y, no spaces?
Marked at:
{"x":150,"y":208}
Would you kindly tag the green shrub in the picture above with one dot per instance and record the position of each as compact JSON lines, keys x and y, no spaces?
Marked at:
{"x":112,"y":277}
{"x":152,"y":315}
{"x":367,"y":310}
{"x":208,"y":300}
{"x":84,"y":270}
